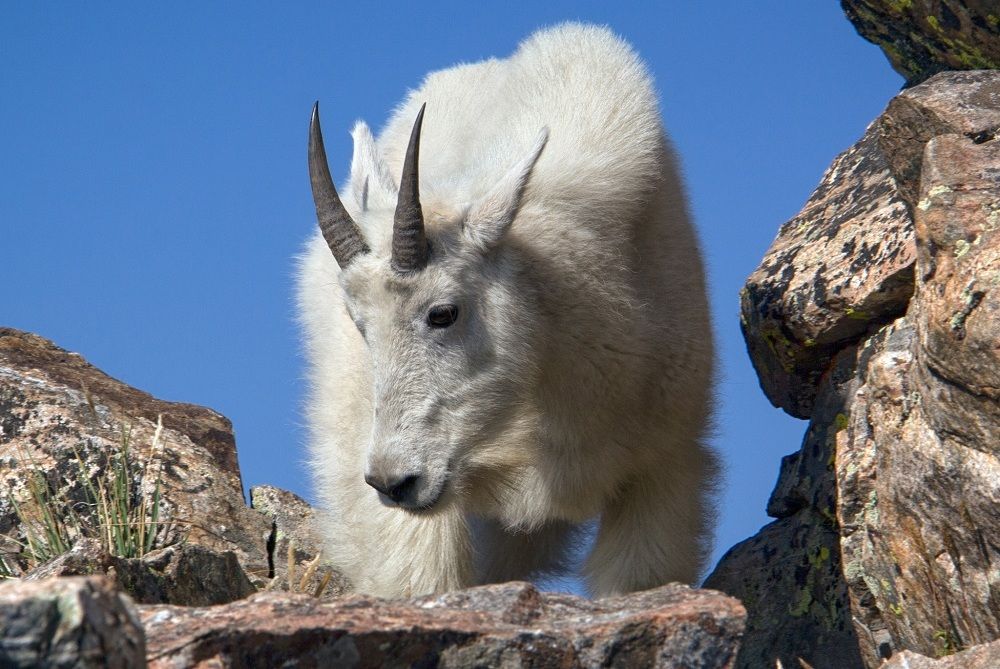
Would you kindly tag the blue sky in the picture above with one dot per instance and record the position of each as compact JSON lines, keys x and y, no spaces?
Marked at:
{"x":153,"y":185}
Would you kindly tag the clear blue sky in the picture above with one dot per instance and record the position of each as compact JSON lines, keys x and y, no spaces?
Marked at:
{"x":153,"y":185}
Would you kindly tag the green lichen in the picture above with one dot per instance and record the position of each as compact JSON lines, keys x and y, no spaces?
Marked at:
{"x":933,"y":22}
{"x":856,"y":314}
{"x":945,"y":643}
{"x":828,"y":514}
{"x":841,"y":421}
{"x":896,"y":608}
{"x":801,"y":606}
{"x":900,"y":6}
{"x":821,"y":556}
{"x":993,"y":19}
{"x":809,"y":342}
{"x":871,"y":509}
{"x":961,"y":248}
{"x":854,"y":570}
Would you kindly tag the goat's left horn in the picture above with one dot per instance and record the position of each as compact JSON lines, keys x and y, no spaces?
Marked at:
{"x":409,"y":241}
{"x":339,"y":230}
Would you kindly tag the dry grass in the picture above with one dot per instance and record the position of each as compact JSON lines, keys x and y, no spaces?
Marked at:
{"x":121,"y":508}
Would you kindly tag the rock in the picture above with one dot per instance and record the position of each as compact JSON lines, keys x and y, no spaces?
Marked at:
{"x":844,"y":264}
{"x":924,"y":37}
{"x":887,"y":518}
{"x":72,"y":622}
{"x":986,"y":656}
{"x":54,"y":405}
{"x":501,"y":625}
{"x":294,"y":537}
{"x":185,"y":575}
{"x":789,"y":575}
{"x":917,"y":467}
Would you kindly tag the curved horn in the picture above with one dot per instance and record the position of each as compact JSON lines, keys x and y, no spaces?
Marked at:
{"x":409,"y":243}
{"x":339,"y":229}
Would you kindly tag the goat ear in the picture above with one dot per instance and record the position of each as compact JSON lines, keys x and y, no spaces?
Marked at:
{"x":371,"y":184}
{"x":490,"y":218}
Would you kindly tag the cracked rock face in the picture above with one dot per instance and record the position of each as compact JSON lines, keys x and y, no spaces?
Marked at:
{"x":887,"y":535}
{"x":923,"y":37}
{"x":295,"y":545}
{"x":917,"y":465}
{"x":510,"y":625}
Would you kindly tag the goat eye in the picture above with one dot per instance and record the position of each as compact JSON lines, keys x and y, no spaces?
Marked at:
{"x":442,"y":315}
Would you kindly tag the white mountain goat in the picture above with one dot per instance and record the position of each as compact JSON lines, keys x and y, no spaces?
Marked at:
{"x":515,"y":341}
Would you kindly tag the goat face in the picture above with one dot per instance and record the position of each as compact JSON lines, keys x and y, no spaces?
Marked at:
{"x":446,"y":319}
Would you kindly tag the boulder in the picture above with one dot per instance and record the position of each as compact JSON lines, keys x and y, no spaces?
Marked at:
{"x":500,"y":625}
{"x":60,"y":417}
{"x":886,"y":536}
{"x":69,"y":623}
{"x":923,"y":37}
{"x":844,"y":264}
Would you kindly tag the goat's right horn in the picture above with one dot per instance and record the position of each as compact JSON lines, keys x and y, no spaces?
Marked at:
{"x":339,"y":230}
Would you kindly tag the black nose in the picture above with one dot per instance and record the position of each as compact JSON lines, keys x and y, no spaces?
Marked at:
{"x":397,"y":489}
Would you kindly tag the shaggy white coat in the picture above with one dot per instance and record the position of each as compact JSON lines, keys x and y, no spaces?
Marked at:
{"x":577,"y":382}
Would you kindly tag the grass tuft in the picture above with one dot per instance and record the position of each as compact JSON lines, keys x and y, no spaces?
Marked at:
{"x":121,"y":508}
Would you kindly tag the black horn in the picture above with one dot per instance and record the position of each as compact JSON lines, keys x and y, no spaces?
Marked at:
{"x":339,"y":229}
{"x":409,"y":242}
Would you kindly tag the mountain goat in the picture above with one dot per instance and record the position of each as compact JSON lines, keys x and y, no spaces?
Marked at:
{"x":516,"y":338}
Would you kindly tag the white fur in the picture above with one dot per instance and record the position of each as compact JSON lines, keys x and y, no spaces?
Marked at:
{"x":576,"y":383}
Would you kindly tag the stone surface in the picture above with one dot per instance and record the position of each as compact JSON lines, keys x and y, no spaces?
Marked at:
{"x":511,"y":625}
{"x":844,"y":265}
{"x":887,"y":535}
{"x":917,"y":467}
{"x":923,"y":37}
{"x":986,"y":656}
{"x":73,"y":622}
{"x":186,"y":574}
{"x":53,"y":405}
{"x":789,"y":575}
{"x":295,"y":541}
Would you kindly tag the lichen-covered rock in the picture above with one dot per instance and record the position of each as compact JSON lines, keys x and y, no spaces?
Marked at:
{"x":494,"y":626}
{"x":294,"y":538}
{"x":789,"y":575}
{"x":54,"y":407}
{"x":924,"y":37}
{"x":68,"y":623}
{"x":844,"y":264}
{"x":917,"y":467}
{"x":887,"y":534}
{"x":986,"y":656}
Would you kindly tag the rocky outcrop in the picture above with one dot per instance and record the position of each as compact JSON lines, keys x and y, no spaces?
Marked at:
{"x":493,"y":626}
{"x":83,"y":622}
{"x":844,"y":264}
{"x":68,"y":623}
{"x":66,"y":422}
{"x":887,"y":534}
{"x":924,"y":37}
